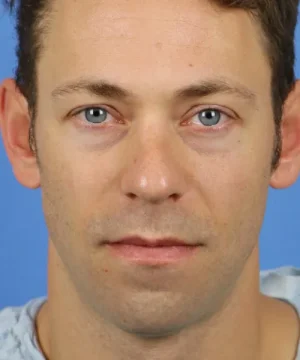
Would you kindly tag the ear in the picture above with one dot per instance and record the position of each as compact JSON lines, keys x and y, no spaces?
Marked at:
{"x":289,"y":165}
{"x":14,"y":126}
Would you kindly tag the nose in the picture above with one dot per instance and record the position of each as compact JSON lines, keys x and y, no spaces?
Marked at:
{"x":154,"y":172}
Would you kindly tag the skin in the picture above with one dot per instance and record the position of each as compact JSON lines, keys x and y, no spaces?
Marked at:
{"x":153,"y":169}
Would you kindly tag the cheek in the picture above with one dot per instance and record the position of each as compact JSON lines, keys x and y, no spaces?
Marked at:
{"x":85,"y":182}
{"x":236,"y":188}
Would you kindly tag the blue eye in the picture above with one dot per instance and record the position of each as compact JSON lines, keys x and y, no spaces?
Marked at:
{"x":209,"y":117}
{"x":95,"y":115}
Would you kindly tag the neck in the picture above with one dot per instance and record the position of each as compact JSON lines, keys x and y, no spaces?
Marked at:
{"x":68,"y":329}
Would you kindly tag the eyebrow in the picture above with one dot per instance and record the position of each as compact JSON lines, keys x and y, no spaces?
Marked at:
{"x":114,"y":91}
{"x":92,"y":87}
{"x":218,"y":86}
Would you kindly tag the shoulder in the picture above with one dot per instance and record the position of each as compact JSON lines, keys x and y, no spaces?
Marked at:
{"x":17,"y":329}
{"x":9,"y":340}
{"x":282,"y":282}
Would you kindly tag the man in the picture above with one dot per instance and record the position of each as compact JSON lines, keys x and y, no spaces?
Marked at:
{"x":154,"y":208}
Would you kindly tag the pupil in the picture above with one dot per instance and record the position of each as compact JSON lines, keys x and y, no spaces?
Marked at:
{"x":94,"y":112}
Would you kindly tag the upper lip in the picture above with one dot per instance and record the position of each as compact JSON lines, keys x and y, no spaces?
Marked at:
{"x":140,"y":241}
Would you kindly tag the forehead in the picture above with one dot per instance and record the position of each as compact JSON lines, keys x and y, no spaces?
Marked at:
{"x":158,"y":42}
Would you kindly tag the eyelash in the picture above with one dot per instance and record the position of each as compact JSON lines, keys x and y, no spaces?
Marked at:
{"x":211,"y":108}
{"x":108,"y":110}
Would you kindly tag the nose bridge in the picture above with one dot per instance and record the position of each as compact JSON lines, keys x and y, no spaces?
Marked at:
{"x":154,"y":171}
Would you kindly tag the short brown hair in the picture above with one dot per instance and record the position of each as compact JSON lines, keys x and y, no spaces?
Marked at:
{"x":278,"y":19}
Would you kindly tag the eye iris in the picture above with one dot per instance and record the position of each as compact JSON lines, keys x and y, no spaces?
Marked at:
{"x":209,"y":117}
{"x":95,"y":115}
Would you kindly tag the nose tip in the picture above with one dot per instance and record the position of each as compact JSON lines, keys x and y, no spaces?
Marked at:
{"x":153,"y":191}
{"x":154,"y":176}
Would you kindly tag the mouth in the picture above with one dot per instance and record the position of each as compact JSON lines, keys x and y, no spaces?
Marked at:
{"x":161,"y":251}
{"x":157,"y":242}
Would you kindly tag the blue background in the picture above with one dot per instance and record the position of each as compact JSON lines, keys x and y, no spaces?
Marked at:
{"x":23,"y":232}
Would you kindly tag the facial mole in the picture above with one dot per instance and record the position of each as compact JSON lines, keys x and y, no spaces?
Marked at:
{"x":191,"y":65}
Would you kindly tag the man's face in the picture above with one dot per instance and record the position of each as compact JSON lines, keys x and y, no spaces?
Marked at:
{"x":154,"y":164}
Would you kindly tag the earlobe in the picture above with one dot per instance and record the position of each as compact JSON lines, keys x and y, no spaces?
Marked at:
{"x":288,"y":170}
{"x":14,"y":126}
{"x":285,"y":175}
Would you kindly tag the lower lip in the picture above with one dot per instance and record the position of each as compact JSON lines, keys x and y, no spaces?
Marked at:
{"x":158,"y":255}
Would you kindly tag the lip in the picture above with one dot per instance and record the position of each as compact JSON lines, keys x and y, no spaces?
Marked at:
{"x":160,"y":242}
{"x":155,"y":252}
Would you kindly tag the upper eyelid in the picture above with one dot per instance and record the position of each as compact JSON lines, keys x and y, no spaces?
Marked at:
{"x":107,"y":108}
{"x":223,"y":110}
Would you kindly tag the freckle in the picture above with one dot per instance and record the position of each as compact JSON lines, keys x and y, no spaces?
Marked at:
{"x":158,"y":45}
{"x":191,"y":65}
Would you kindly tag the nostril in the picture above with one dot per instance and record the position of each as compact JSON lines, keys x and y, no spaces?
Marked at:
{"x":131,"y":195}
{"x":175,"y":196}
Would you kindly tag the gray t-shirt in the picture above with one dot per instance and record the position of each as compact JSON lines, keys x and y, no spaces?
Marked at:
{"x":18,"y":340}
